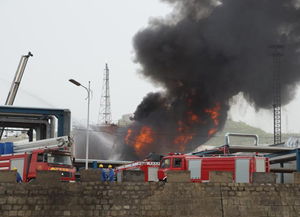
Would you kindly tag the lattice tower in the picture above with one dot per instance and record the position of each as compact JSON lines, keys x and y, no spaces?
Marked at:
{"x":105,"y":110}
{"x":277,"y":53}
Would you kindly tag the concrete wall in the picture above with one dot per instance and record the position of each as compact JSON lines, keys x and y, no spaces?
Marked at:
{"x":178,"y":176}
{"x":132,"y":176}
{"x":90,"y":175}
{"x":51,"y":177}
{"x":259,"y":177}
{"x":8,"y":176}
{"x":220,"y":177}
{"x":94,"y":199}
{"x":296,"y":178}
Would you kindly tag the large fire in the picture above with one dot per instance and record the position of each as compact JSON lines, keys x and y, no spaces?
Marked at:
{"x":129,"y":132}
{"x":141,"y":139}
{"x":182,"y":140}
{"x":214,"y":115}
{"x":184,"y":131}
{"x":193,"y":118}
{"x":144,"y":138}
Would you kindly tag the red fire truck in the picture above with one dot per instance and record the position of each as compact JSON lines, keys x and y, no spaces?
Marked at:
{"x":148,"y":167}
{"x":242,"y":167}
{"x":48,"y":154}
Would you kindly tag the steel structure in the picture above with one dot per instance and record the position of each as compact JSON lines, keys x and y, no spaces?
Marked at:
{"x":39,"y":119}
{"x":105,"y":111}
{"x":277,"y":53}
{"x":16,"y":83}
{"x":17,"y":79}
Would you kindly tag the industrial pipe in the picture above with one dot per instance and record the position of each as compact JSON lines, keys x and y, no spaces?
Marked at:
{"x":227,"y":135}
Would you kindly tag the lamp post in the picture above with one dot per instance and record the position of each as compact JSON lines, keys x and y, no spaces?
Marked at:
{"x":88,"y":89}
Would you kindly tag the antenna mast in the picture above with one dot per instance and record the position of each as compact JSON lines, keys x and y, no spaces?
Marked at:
{"x":105,"y":111}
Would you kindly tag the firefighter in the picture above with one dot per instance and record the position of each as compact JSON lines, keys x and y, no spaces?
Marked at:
{"x":111,"y":173}
{"x":103,"y":173}
{"x":18,"y":178}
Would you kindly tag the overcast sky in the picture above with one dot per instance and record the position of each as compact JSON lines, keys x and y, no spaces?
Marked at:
{"x":74,"y":39}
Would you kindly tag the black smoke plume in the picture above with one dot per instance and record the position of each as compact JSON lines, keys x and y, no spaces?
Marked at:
{"x":205,"y":53}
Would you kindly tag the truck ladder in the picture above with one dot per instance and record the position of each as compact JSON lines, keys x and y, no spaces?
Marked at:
{"x":59,"y":142}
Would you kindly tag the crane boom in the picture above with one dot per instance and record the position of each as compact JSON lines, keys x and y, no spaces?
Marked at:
{"x":16,"y":83}
{"x":17,"y":79}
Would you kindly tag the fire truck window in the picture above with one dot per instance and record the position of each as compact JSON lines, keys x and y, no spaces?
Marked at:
{"x":40,"y":158}
{"x":45,"y":157}
{"x":59,"y":159}
{"x":165,"y":163}
{"x":177,"y":162}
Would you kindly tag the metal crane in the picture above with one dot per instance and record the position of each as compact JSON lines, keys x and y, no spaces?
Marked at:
{"x":17,"y":79}
{"x":16,"y":83}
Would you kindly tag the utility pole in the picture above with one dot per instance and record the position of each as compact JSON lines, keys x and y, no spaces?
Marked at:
{"x":277,"y":53}
{"x":105,"y":111}
{"x":88,"y":89}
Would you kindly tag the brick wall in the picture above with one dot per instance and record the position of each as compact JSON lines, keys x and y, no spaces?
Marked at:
{"x":92,"y":199}
{"x":8,"y":176}
{"x":90,"y":175}
{"x":131,"y":176}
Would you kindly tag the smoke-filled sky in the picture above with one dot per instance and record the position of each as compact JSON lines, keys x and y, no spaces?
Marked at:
{"x":74,"y":39}
{"x":204,"y":55}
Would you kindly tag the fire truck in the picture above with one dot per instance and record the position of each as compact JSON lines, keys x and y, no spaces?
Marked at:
{"x":241,"y":161}
{"x":47,"y":154}
{"x":242,"y":167}
{"x":148,"y":167}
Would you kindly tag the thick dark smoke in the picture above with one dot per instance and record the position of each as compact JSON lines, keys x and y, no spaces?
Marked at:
{"x":204,"y":54}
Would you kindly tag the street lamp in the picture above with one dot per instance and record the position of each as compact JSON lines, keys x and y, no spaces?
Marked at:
{"x":88,"y":89}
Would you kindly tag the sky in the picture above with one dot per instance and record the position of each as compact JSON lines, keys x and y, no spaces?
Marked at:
{"x":74,"y":39}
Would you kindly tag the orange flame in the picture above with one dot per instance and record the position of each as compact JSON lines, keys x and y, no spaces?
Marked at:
{"x":193,"y":118}
{"x":143,"y":139}
{"x":214,"y":115}
{"x":184,"y":136}
{"x":182,"y":141}
{"x":129,"y":132}
{"x":212,"y":131}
